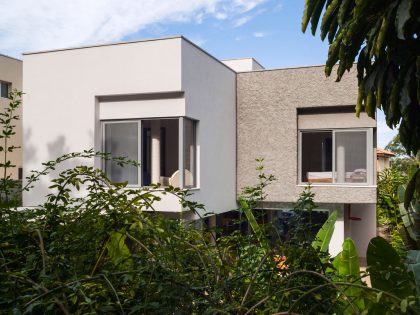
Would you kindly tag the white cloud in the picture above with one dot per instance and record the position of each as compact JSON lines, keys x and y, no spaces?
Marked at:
{"x":259,"y":34}
{"x":241,"y":21}
{"x":27,"y":25}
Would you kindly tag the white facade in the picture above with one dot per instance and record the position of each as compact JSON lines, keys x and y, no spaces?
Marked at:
{"x":169,"y":78}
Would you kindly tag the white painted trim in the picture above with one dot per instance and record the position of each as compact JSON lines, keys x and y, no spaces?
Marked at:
{"x":336,"y":185}
{"x":134,"y":109}
{"x":369,"y":158}
{"x":181,"y":142}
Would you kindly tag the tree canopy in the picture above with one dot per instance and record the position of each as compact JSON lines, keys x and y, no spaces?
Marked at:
{"x":382,"y":36}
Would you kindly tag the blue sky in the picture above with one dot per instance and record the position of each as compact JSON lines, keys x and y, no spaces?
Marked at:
{"x":268,"y":30}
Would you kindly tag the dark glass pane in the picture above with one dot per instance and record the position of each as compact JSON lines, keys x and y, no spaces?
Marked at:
{"x":316,"y":157}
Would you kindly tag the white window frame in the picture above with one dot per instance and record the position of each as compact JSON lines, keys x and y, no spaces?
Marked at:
{"x":181,"y":143}
{"x":369,"y":156}
{"x":139,"y":140}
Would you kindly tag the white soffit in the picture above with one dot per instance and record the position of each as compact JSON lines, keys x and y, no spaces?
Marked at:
{"x":132,"y":109}
{"x":335,"y":120}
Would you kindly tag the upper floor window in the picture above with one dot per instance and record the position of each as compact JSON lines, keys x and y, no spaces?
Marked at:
{"x":165,"y":149}
{"x":336,"y":156}
{"x":4,"y":89}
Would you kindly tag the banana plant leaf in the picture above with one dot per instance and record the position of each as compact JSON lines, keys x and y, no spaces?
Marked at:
{"x":347,"y":265}
{"x":323,"y":237}
{"x":410,"y":215}
{"x":413,"y":261}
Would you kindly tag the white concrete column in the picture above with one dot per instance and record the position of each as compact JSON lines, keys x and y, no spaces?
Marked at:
{"x":155,"y":131}
{"x":338,"y":236}
{"x":341,"y":164}
{"x":362,"y":225}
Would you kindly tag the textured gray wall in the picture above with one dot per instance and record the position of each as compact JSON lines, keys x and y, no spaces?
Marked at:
{"x":267,"y":103}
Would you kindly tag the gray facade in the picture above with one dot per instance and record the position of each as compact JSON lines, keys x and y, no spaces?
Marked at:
{"x":267,"y":126}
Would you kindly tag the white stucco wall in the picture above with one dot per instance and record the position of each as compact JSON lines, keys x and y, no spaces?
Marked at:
{"x":79,"y":88}
{"x":61,"y":88}
{"x":210,"y":96}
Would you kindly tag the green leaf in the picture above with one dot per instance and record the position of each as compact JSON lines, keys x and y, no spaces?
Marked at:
{"x":387,"y":272}
{"x":413,"y":261}
{"x":328,"y":18}
{"x":347,"y":265}
{"x":409,"y":191}
{"x":252,"y":222}
{"x":316,"y":13}
{"x":403,"y":15}
{"x":403,"y":305}
{"x":309,"y":5}
{"x":323,"y":237}
{"x":118,"y":251}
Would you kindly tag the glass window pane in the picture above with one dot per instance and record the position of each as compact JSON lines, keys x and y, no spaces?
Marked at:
{"x":160,"y":152}
{"x":350,"y":157}
{"x":189,"y":153}
{"x":316,"y":157}
{"x":4,"y":89}
{"x":121,"y":140}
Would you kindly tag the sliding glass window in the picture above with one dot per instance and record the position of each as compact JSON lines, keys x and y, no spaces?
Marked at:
{"x":165,"y":149}
{"x":336,"y":156}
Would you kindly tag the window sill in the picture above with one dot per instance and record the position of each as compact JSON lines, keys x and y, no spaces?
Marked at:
{"x":337,"y":185}
{"x":159,"y":189}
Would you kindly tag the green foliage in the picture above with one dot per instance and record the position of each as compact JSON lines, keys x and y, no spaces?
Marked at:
{"x":389,"y":181}
{"x":324,"y":235}
{"x":8,"y":118}
{"x":410,"y":214}
{"x":413,"y":261}
{"x":387,"y":272}
{"x":108,"y":252}
{"x":401,"y":162}
{"x":383,"y":37}
{"x":347,"y":266}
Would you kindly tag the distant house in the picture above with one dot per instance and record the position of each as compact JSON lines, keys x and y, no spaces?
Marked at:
{"x":196,"y":122}
{"x":11,"y":78}
{"x":383,"y":159}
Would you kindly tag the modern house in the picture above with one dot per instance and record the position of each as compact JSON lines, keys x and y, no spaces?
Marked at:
{"x":11,"y":78}
{"x":196,"y":122}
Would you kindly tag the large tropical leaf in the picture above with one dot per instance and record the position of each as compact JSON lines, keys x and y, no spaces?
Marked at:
{"x":387,"y":272}
{"x":323,"y":237}
{"x":410,"y":214}
{"x":413,"y":261}
{"x":347,"y":265}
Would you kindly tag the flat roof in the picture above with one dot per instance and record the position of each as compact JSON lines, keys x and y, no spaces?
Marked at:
{"x":280,"y":69}
{"x":6,"y":56}
{"x":101,"y":45}
{"x":247,"y":58}
{"x":131,"y":42}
